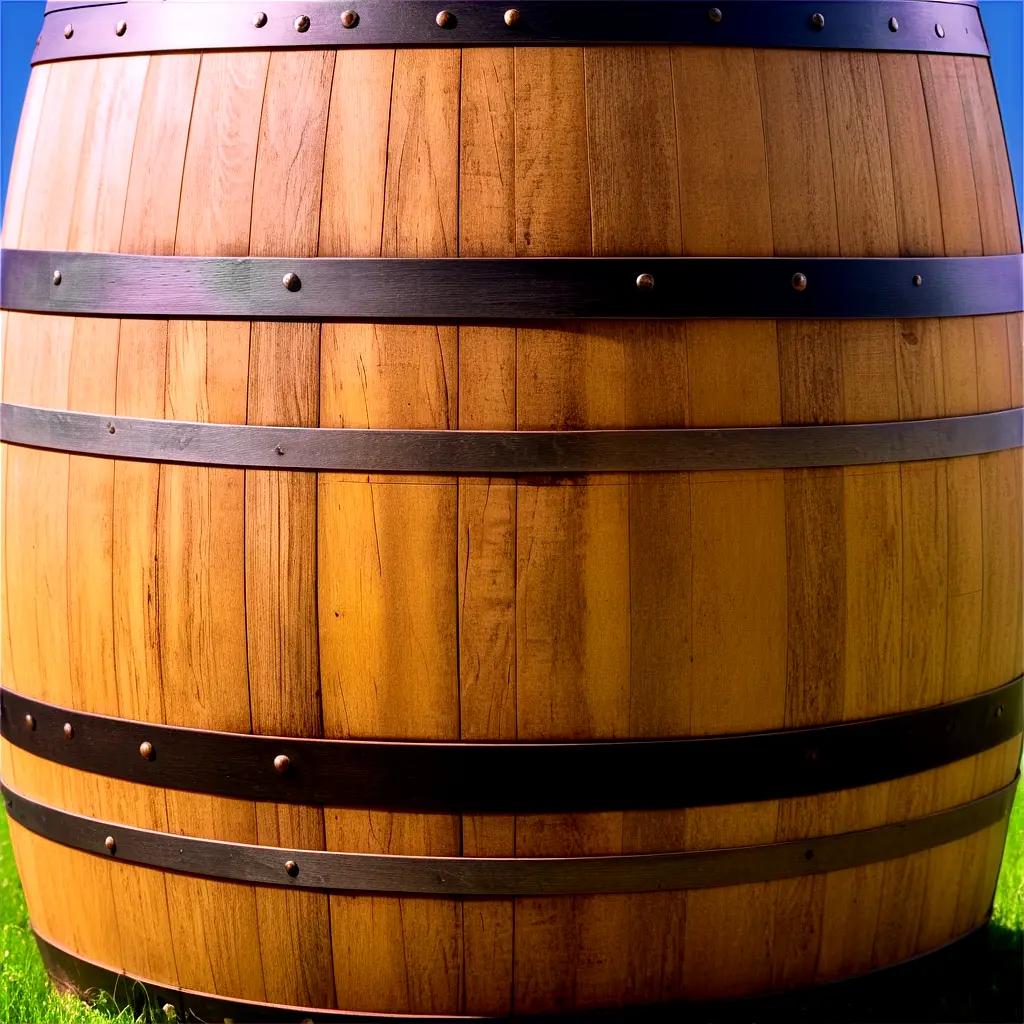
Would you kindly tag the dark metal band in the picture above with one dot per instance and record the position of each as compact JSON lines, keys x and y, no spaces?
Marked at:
{"x":503,"y":778}
{"x":487,"y":290}
{"x":451,"y":452}
{"x":917,"y":973}
{"x":328,"y":871}
{"x":908,"y":25}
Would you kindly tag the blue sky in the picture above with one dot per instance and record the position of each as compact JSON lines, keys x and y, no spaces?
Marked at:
{"x":1004,"y":22}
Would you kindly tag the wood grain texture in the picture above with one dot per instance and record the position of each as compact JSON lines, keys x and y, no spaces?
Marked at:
{"x":388,"y":549}
{"x":492,"y":609}
{"x":281,"y":517}
{"x":487,"y":508}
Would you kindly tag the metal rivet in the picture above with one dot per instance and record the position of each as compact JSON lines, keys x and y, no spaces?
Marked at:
{"x":799,"y":282}
{"x":146,"y":751}
{"x":808,"y":855}
{"x":279,"y":449}
{"x":282,"y":763}
{"x":950,"y":725}
{"x":302,"y":23}
{"x":811,"y":755}
{"x":940,"y":31}
{"x":715,"y":15}
{"x":894,"y":25}
{"x":349,"y":19}
{"x":511,"y":17}
{"x":917,"y":280}
{"x":291,"y":868}
{"x":69,"y":30}
{"x":110,"y":844}
{"x":111,"y":429}
{"x":291,"y":282}
{"x":445,"y":19}
{"x":69,"y":731}
{"x":120,"y":28}
{"x":57,"y":277}
{"x":30,"y":723}
{"x":645,"y":282}
{"x":259,"y":19}
{"x":817,"y":20}
{"x":999,"y":711}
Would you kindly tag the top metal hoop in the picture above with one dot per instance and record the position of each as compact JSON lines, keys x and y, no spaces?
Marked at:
{"x":75,"y":30}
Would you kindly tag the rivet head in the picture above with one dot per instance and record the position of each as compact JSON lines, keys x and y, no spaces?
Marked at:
{"x":279,"y":449}
{"x":146,"y":751}
{"x":69,"y":731}
{"x":894,"y":25}
{"x":940,"y":31}
{"x":110,"y":844}
{"x":120,"y":28}
{"x":349,"y":19}
{"x":291,"y":282}
{"x":57,"y":278}
{"x":291,"y":868}
{"x":445,"y":19}
{"x":799,"y":282}
{"x":512,"y":17}
{"x":808,"y":854}
{"x":111,"y":429}
{"x":302,"y":23}
{"x":282,"y":763}
{"x":69,"y":30}
{"x":30,"y":723}
{"x":817,"y":20}
{"x":917,"y":280}
{"x":715,"y":15}
{"x":645,"y":282}
{"x":259,"y":19}
{"x":999,"y":711}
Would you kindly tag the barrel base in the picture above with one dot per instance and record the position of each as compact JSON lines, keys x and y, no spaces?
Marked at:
{"x":916,"y":979}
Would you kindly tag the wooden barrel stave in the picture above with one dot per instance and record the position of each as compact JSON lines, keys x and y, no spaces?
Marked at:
{"x":588,"y":370}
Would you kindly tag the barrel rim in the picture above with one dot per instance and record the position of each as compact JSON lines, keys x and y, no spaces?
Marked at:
{"x":910,"y":26}
{"x":528,"y":777}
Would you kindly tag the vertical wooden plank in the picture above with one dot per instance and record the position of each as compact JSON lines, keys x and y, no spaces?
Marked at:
{"x":803,"y":219}
{"x":388,"y":546}
{"x":487,"y":508}
{"x":571,"y":539}
{"x":280,"y":517}
{"x":150,"y":220}
{"x":200,"y":523}
{"x":738,"y":575}
{"x":862,"y":167}
{"x":37,"y":367}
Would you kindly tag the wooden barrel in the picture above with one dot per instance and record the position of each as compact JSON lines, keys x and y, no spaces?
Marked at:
{"x":438,"y":582}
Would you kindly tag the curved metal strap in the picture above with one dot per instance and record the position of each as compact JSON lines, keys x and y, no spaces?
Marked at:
{"x":502,"y":778}
{"x":923,"y":27}
{"x":505,"y":876}
{"x":486,"y":452}
{"x":449,"y":290}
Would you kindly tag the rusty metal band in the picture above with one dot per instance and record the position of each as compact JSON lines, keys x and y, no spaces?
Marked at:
{"x":176,"y":25}
{"x":330,"y":871}
{"x":502,"y":290}
{"x":522,"y":452}
{"x":146,"y":999}
{"x":504,"y":778}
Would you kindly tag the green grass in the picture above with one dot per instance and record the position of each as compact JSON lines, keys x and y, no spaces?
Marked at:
{"x":982,"y":984}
